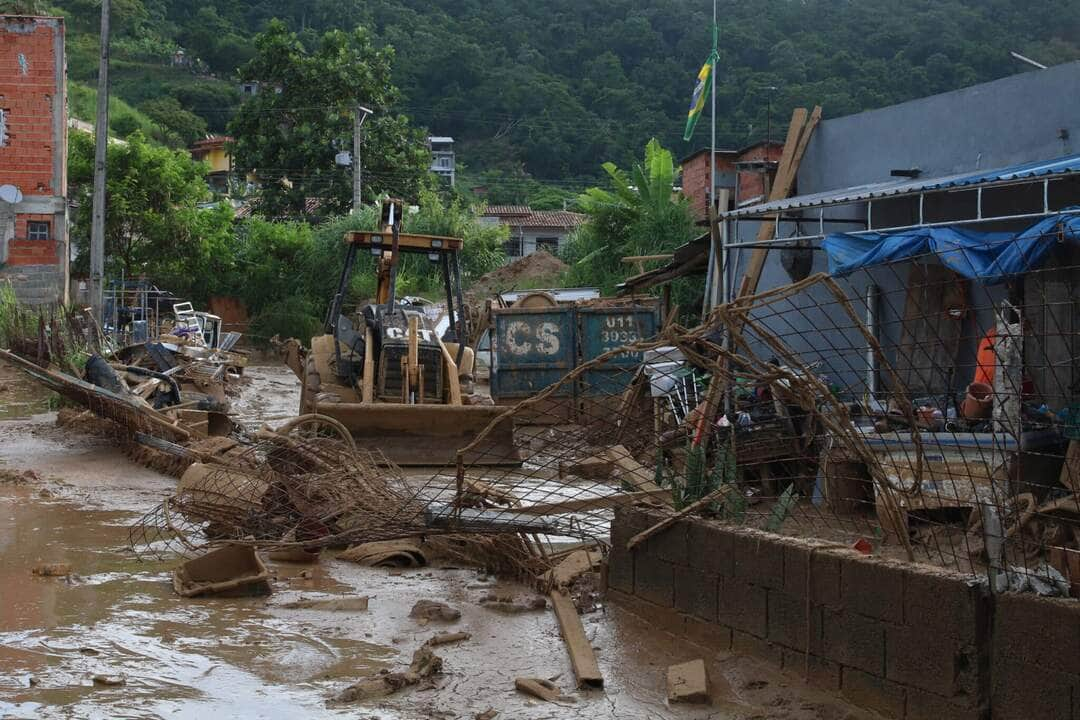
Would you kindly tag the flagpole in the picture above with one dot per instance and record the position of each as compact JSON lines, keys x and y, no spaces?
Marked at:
{"x":712,"y":143}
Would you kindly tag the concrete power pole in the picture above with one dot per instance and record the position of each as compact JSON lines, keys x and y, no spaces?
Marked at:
{"x":358,"y":120}
{"x":101,"y":144}
{"x":359,"y":116}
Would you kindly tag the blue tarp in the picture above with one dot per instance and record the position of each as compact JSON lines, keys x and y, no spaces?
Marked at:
{"x":988,"y":257}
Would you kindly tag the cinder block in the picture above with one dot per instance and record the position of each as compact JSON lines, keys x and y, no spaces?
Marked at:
{"x":1041,"y":632}
{"x":709,"y":635}
{"x":824,"y":575}
{"x":660,"y":617}
{"x":654,"y":579}
{"x":758,"y":559}
{"x":937,"y":663}
{"x":620,"y":570}
{"x":872,"y":692}
{"x":696,"y":592}
{"x":873,"y":588}
{"x":854,"y":640}
{"x":744,"y":644}
{"x":742,"y":606}
{"x":709,"y":546}
{"x":1025,"y":692}
{"x":815,"y":670}
{"x":788,"y":622}
{"x":922,"y":705}
{"x":628,"y":522}
{"x":671,"y":544}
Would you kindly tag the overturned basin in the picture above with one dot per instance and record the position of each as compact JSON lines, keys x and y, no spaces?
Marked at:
{"x":229,"y":571}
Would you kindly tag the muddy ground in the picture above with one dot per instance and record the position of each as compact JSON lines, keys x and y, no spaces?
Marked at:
{"x":116,"y":616}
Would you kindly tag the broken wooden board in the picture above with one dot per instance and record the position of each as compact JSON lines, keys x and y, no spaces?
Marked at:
{"x":571,"y":567}
{"x":560,"y":507}
{"x":582,"y":656}
{"x":539,"y":688}
{"x":629,"y":471}
{"x":800,"y":131}
{"x":688,"y":683}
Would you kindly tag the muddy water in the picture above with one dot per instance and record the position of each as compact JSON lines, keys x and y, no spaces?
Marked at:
{"x":252,"y":658}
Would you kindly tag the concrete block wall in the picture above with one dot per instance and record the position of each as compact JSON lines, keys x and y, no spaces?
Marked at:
{"x":904,"y":640}
{"x":35,"y":284}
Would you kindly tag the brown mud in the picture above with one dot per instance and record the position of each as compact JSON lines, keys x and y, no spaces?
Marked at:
{"x":116,"y":616}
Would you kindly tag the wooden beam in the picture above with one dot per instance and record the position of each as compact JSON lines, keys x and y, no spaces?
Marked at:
{"x":798,"y":137}
{"x":582,"y":657}
{"x":451,"y":374}
{"x":617,"y":499}
{"x":367,"y":389}
{"x":717,"y":495}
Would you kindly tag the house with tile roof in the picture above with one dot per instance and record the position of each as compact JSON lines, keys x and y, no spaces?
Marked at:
{"x":532,"y":230}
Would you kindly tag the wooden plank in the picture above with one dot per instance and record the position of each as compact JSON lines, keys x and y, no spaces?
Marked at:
{"x":634,"y":473}
{"x":367,"y":391}
{"x":571,"y":567}
{"x":799,"y":133}
{"x":597,"y":503}
{"x":582,"y":657}
{"x":717,"y":495}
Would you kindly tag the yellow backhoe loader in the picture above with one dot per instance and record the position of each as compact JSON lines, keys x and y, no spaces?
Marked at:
{"x":387,"y":375}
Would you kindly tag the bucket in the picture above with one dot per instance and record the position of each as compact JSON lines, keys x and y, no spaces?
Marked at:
{"x":979,"y":401}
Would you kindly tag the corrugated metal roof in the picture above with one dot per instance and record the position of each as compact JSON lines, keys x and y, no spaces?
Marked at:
{"x":871,"y":191}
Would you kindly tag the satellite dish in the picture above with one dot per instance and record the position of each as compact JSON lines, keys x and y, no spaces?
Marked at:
{"x":10,"y":194}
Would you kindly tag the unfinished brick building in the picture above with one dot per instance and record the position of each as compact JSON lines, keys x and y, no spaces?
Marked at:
{"x":33,"y":158}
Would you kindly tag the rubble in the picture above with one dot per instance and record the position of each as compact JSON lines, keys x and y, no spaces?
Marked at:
{"x":424,"y":664}
{"x":539,"y":688}
{"x":688,"y":683}
{"x":338,"y":604}
{"x":425,"y":611}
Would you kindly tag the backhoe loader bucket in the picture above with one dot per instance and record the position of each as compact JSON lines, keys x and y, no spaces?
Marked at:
{"x":426,"y":434}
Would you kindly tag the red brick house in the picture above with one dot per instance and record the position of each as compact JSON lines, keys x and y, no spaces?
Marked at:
{"x":744,"y":173}
{"x":33,"y":158}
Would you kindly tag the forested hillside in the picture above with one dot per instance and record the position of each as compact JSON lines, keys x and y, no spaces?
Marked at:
{"x":551,"y":88}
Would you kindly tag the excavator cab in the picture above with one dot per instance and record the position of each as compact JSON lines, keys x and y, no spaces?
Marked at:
{"x":391,"y":374}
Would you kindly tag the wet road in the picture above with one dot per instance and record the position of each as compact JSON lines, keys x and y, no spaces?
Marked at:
{"x":252,"y":658}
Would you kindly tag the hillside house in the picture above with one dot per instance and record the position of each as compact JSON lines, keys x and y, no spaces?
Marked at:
{"x":532,"y":230}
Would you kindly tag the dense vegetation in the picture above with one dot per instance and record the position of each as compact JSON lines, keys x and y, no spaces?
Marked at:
{"x":539,"y":92}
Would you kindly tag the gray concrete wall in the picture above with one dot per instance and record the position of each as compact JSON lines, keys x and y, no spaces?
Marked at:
{"x":36,"y":284}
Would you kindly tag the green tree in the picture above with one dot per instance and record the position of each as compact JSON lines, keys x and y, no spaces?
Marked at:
{"x":153,"y":220}
{"x":290,"y":131}
{"x":180,"y":127}
{"x":639,"y":215}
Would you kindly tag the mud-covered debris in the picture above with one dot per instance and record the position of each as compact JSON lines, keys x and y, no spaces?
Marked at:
{"x":688,"y":683}
{"x":390,"y":553}
{"x":357,"y":603}
{"x":427,"y":610}
{"x":539,"y":688}
{"x":424,"y":664}
{"x":488,"y":714}
{"x":52,"y":570}
{"x":512,"y":606}
{"x":447,"y":638}
{"x":109,"y":680}
{"x":229,"y":571}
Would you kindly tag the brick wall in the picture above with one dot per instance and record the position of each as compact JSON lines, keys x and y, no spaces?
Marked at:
{"x":28,"y":86}
{"x":695,"y":179}
{"x":905,"y":640}
{"x":24,"y":251}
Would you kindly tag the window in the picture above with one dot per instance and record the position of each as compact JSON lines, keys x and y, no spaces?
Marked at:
{"x":37,"y":230}
{"x":551,"y":244}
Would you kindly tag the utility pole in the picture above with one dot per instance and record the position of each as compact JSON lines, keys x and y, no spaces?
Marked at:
{"x":101,"y":144}
{"x":359,"y":116}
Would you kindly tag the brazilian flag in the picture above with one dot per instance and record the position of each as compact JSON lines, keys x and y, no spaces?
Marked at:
{"x":701,"y":91}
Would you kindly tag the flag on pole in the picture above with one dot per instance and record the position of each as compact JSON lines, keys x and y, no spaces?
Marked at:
{"x":701,"y":91}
